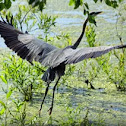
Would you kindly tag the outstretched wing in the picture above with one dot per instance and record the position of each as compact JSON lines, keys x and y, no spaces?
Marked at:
{"x":26,"y":46}
{"x":78,"y":55}
{"x":71,"y":56}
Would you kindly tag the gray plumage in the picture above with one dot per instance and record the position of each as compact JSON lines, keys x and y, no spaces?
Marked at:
{"x":30,"y":48}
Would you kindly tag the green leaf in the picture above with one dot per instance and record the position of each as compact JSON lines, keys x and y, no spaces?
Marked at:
{"x":7,"y":3}
{"x":121,"y":1}
{"x":114,"y":4}
{"x":86,"y":5}
{"x":9,"y":93}
{"x":71,"y":2}
{"x":95,"y":1}
{"x":85,"y":12}
{"x":108,"y":2}
{"x":2,"y":111}
{"x":31,"y":1}
{"x":41,"y":5}
{"x":3,"y":79}
{"x":3,"y":104}
{"x":2,"y":6}
{"x":76,"y":3}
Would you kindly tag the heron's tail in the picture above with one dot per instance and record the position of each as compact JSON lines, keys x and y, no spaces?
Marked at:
{"x":49,"y":75}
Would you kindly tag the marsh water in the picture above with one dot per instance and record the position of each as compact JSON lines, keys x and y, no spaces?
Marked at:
{"x":105,"y":103}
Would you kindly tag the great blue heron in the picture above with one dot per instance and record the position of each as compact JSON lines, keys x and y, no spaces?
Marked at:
{"x":30,"y":48}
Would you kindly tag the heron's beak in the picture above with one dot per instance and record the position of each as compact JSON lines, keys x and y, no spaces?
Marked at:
{"x":99,"y":12}
{"x":96,"y":13}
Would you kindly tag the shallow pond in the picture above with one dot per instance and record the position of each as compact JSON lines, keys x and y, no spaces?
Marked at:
{"x":105,"y":103}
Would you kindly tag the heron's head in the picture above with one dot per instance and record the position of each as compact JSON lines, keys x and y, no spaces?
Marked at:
{"x":91,"y":17}
{"x":95,"y":13}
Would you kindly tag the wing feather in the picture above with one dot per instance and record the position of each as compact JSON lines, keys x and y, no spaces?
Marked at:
{"x":26,"y":46}
{"x":91,"y":52}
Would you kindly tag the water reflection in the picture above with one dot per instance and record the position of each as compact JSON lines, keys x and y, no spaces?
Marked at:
{"x":68,"y":22}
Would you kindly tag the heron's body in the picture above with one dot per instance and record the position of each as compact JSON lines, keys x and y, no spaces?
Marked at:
{"x":30,"y":48}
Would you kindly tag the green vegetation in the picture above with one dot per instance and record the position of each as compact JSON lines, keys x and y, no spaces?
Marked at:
{"x":42,"y":3}
{"x":76,"y":104}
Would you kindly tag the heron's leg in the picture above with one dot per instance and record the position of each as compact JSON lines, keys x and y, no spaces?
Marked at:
{"x":87,"y":82}
{"x":54,"y":88}
{"x":46,"y":91}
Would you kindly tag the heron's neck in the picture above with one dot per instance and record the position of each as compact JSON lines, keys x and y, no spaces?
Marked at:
{"x":81,"y":36}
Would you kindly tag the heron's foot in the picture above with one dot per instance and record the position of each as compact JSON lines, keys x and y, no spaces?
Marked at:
{"x":50,"y":110}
